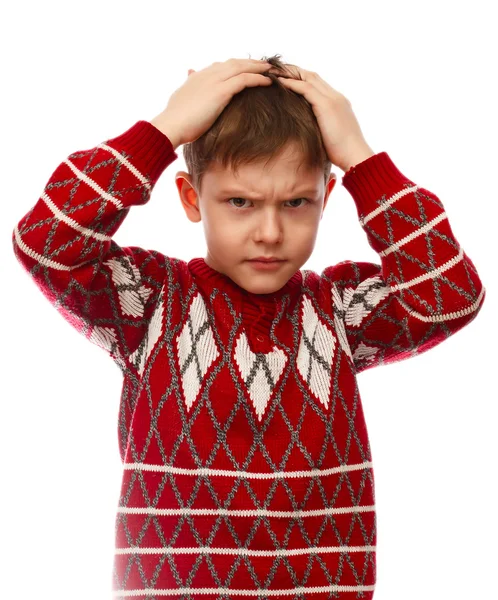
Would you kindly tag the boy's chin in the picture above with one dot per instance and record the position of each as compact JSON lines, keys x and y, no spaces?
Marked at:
{"x":262,"y":282}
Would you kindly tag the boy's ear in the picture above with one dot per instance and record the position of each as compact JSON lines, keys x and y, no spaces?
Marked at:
{"x":329,"y":187}
{"x":188,"y":196}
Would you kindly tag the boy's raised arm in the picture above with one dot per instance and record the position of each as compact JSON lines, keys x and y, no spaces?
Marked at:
{"x":426,"y":287}
{"x":109,"y":293}
{"x":106,"y":292}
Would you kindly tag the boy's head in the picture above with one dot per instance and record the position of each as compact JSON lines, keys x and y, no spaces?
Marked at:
{"x":259,"y":180}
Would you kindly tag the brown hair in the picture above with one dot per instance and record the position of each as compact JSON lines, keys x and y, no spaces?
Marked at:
{"x":258,"y":123}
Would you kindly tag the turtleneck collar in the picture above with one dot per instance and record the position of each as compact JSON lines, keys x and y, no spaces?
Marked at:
{"x":202,"y":270}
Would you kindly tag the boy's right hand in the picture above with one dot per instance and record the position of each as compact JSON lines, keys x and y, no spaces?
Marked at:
{"x":196,"y":105}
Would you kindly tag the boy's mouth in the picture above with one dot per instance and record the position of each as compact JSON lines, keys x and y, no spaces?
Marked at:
{"x":266,"y":264}
{"x":266,"y":259}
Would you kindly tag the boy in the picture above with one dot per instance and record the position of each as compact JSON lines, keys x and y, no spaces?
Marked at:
{"x":246,"y":462}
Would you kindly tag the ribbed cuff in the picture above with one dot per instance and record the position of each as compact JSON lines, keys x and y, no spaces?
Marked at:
{"x":373,"y":178}
{"x":148,"y":146}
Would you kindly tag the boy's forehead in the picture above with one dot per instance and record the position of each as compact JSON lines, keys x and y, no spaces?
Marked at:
{"x":287,"y":169}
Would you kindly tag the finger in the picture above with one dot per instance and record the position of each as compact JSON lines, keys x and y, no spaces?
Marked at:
{"x":288,"y":70}
{"x":236,"y":66}
{"x":242,"y":61}
{"x":315,"y":79}
{"x":239,"y":82}
{"x":305,"y":88}
{"x":295,"y":72}
{"x":245,"y":62}
{"x":295,"y":85}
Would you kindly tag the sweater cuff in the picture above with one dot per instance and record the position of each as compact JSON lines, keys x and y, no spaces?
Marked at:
{"x":370,"y":180}
{"x":147,"y":146}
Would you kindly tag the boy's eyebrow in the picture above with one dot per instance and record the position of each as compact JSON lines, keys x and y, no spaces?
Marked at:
{"x":309,"y":190}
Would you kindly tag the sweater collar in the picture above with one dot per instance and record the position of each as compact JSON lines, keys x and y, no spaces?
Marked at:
{"x":203,"y":271}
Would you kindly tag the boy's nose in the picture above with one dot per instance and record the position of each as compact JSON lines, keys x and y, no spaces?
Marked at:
{"x":270,"y":230}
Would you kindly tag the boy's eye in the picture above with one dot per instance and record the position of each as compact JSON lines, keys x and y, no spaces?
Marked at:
{"x":236,"y":206}
{"x":290,"y":201}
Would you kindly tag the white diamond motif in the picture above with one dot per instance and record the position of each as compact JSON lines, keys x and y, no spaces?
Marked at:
{"x":364,"y":352}
{"x":316,"y":352}
{"x":260,"y":372}
{"x":154,"y":333}
{"x":371,"y":294}
{"x":339,"y":322}
{"x":104,"y":337}
{"x":131,"y":301}
{"x":196,"y":350}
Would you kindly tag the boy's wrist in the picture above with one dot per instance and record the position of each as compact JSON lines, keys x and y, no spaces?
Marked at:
{"x":165,"y":127}
{"x":358,"y":156}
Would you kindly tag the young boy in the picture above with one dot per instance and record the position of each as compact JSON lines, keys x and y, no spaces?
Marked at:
{"x":246,"y":461}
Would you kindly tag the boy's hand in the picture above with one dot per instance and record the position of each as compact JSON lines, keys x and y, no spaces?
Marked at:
{"x":341,"y":132}
{"x":196,"y":105}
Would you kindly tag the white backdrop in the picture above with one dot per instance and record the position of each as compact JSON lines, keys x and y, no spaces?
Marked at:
{"x":422,"y":81}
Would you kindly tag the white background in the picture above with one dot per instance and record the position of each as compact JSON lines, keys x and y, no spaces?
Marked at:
{"x":421,"y":77}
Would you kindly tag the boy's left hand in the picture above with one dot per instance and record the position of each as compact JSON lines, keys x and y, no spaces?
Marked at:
{"x":341,"y":132}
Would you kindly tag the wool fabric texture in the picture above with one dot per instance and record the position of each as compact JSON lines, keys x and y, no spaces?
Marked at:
{"x":247,"y":469}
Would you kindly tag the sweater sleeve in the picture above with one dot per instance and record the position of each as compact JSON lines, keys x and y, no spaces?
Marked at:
{"x":106,"y":292}
{"x":425,"y":288}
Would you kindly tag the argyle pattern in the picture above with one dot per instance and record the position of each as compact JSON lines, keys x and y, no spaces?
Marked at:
{"x":247,"y":469}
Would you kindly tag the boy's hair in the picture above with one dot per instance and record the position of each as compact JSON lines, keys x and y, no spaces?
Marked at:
{"x":256,"y":124}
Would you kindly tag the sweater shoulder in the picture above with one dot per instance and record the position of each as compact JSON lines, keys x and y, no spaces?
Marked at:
{"x":333,"y":279}
{"x":331,"y":274}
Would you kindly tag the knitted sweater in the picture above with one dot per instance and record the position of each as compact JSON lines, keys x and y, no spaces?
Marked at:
{"x":247,"y":468}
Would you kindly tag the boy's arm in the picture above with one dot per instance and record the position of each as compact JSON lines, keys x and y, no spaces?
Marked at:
{"x":106,"y":292}
{"x":425,"y":289}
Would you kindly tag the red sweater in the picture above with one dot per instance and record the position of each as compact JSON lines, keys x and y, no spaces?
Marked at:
{"x":247,"y":468}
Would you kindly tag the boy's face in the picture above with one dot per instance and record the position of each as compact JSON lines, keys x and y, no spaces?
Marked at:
{"x":260,"y":212}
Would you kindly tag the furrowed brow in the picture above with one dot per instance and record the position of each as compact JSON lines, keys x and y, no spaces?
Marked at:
{"x":244,"y":193}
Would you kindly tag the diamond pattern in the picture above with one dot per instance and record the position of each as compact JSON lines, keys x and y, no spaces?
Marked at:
{"x":196,"y":350}
{"x":316,"y":352}
{"x":126,"y":279}
{"x":154,"y":332}
{"x":338,"y":311}
{"x":359,"y":302}
{"x":260,"y":372}
{"x":205,"y":502}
